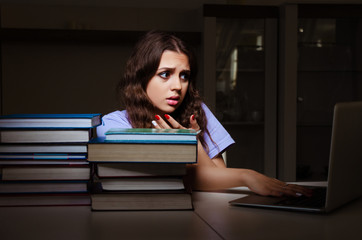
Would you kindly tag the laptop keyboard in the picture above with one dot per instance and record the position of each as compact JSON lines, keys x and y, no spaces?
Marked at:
{"x":317,"y":200}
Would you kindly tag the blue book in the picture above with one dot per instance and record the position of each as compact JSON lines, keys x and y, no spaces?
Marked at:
{"x":81,"y":120}
{"x":43,"y":148}
{"x":151,"y":135}
{"x":43,"y":162}
{"x":39,"y":156}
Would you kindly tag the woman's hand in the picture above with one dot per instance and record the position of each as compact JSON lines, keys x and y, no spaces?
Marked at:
{"x":172,"y":123}
{"x":267,"y":186}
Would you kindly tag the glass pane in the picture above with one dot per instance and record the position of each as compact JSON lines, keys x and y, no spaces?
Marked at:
{"x":329,"y":71}
{"x":240,"y":69}
{"x":240,"y":80}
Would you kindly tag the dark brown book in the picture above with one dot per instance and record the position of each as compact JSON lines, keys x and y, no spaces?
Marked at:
{"x":16,"y":173}
{"x":9,"y":187}
{"x":100,"y":150}
{"x":139,"y":200}
{"x":142,"y":201}
{"x":15,"y":200}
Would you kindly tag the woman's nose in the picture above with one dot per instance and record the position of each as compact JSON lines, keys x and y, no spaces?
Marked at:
{"x":176,"y":83}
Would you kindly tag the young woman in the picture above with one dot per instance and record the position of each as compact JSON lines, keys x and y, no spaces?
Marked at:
{"x":157,"y":90}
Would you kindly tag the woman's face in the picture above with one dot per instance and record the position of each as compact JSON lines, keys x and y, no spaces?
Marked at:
{"x":167,"y":89}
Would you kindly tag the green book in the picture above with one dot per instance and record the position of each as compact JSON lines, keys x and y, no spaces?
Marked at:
{"x":152,"y":135}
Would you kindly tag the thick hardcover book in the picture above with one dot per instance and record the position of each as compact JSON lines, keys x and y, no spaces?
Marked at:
{"x":66,"y":199}
{"x":140,"y":169}
{"x":100,"y":150}
{"x":7,"y":187}
{"x":17,"y":173}
{"x":43,"y":148}
{"x":45,"y":135}
{"x":141,"y":135}
{"x":50,"y":120}
{"x":141,"y":183}
{"x":152,"y":200}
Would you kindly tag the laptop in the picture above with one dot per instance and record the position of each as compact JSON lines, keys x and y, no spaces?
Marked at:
{"x":345,"y":168}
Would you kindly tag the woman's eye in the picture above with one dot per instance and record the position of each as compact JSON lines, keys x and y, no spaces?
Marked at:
{"x":185,"y":76}
{"x":164,"y":74}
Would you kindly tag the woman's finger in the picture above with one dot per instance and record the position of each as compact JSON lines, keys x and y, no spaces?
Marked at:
{"x":295,"y":190}
{"x":159,"y":122}
{"x":173,"y":122}
{"x":300,"y":190}
{"x":155,"y":124}
{"x":193,"y":123}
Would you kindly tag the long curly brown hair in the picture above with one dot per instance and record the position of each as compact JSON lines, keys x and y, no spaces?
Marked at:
{"x":142,"y":66}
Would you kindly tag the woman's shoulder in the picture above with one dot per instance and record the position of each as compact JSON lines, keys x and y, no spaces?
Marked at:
{"x":118,"y":114}
{"x":206,"y":109}
{"x":209,"y":115}
{"x":116,"y":119}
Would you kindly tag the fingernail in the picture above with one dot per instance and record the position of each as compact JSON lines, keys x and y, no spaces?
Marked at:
{"x":193,"y":117}
{"x":167,"y":116}
{"x":154,"y":123}
{"x":157,"y":117}
{"x":298,"y":194}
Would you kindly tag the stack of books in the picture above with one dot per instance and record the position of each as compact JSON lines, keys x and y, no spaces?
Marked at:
{"x":43,"y":159}
{"x":142,"y":169}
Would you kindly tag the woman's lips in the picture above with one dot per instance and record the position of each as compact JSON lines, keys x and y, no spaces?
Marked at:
{"x":173,"y":101}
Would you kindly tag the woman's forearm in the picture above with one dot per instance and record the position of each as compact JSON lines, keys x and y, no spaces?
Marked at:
{"x":212,"y":174}
{"x":214,"y":178}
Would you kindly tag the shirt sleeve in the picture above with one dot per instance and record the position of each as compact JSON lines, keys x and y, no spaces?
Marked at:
{"x":116,"y":119}
{"x":221,"y":139}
